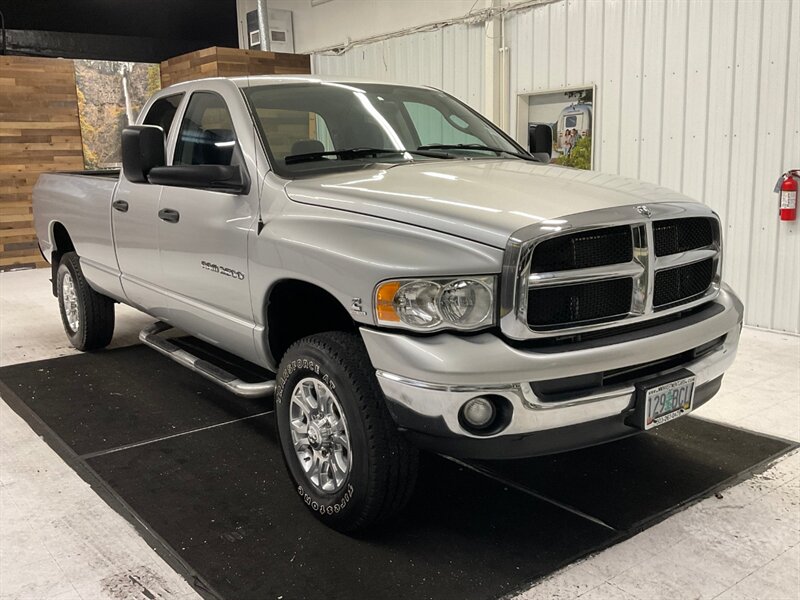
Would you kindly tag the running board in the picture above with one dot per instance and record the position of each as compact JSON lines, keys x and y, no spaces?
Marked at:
{"x":150,"y":337}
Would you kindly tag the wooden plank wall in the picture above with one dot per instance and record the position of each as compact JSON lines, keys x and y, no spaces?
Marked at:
{"x":39,"y":131}
{"x":230,"y":62}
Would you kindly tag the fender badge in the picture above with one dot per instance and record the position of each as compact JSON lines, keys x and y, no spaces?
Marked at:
{"x":357,"y":307}
{"x":644,"y":211}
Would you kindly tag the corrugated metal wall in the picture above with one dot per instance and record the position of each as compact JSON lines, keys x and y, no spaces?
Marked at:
{"x":701,"y":96}
{"x":451,"y":59}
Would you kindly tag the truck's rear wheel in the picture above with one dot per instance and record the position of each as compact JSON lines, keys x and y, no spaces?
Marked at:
{"x":348,"y":462}
{"x":88,"y":316}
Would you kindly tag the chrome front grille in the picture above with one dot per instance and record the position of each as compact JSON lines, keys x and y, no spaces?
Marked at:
{"x":555,"y":306}
{"x":583,"y":250}
{"x":679,"y":284}
{"x":608,"y":268}
{"x":673,"y":236}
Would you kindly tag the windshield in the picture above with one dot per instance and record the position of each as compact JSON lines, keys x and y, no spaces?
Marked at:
{"x":324,"y":126}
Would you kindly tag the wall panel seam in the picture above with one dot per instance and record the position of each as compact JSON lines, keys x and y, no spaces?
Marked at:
{"x":753,"y":196}
{"x":685,"y":92}
{"x":708,"y":103}
{"x":621,"y":89}
{"x":733,"y":112}
{"x":663,"y":93}
{"x":641,"y":99}
{"x":792,"y":7}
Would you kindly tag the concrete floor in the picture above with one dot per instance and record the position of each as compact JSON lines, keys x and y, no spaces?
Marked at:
{"x":59,"y":540}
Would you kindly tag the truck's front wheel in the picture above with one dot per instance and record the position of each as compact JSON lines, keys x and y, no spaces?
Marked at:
{"x":348,"y":462}
{"x":88,"y":316}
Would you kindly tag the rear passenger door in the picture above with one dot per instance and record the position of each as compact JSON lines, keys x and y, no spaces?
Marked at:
{"x":203,"y":233}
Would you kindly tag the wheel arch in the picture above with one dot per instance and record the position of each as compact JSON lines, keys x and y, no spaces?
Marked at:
{"x":61,"y":243}
{"x":295,"y":309}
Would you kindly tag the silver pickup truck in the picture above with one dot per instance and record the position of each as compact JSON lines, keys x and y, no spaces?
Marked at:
{"x":412,"y":277}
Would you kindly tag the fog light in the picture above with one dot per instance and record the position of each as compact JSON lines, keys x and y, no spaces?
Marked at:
{"x":479,"y":412}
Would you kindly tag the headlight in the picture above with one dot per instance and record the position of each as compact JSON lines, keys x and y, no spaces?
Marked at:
{"x":430,"y":304}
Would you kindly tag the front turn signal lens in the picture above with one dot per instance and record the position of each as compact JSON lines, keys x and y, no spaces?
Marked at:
{"x":384,"y":301}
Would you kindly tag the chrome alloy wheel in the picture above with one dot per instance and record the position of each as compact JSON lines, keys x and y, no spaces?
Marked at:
{"x":319,"y":434}
{"x":70,"y":300}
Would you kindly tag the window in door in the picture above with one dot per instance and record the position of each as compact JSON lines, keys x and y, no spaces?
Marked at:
{"x":162,"y":113}
{"x":206,"y":136}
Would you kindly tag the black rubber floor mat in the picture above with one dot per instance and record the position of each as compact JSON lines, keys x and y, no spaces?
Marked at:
{"x":98,"y":401}
{"x":170,"y":450}
{"x":630,"y":482}
{"x":237,"y":520}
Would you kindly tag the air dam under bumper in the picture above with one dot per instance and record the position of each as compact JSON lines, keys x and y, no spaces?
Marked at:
{"x":426,"y":381}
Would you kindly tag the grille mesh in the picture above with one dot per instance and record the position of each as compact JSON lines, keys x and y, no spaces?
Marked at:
{"x":560,"y":306}
{"x":584,"y":249}
{"x":681,"y":283}
{"x":551,"y":306}
{"x":681,"y":235}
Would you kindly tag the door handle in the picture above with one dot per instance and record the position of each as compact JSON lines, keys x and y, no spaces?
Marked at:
{"x":120,"y":205}
{"x":169,"y":215}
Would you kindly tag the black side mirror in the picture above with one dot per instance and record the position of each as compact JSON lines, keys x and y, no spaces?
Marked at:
{"x":541,"y":140}
{"x":142,"y":151}
{"x":220,"y":178}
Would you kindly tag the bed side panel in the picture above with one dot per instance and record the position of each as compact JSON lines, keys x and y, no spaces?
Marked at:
{"x":82,"y":204}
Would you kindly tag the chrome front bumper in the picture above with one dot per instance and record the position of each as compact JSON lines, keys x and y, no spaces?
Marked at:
{"x":428,"y":379}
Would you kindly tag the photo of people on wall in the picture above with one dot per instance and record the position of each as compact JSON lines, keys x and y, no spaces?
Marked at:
{"x":568,"y":118}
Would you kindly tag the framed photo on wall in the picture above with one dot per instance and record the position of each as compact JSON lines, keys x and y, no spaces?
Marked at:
{"x":560,"y":124}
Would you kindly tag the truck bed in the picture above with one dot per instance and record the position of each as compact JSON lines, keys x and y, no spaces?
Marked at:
{"x":79,"y":201}
{"x":104,"y":173}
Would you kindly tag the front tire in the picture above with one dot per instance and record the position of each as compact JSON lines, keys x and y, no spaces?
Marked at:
{"x":88,"y":316}
{"x":349,"y":464}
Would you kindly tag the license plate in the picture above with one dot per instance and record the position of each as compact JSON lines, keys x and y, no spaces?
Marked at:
{"x":668,"y":401}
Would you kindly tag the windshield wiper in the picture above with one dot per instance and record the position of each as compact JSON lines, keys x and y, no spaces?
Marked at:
{"x":351,"y":153}
{"x":477,"y":147}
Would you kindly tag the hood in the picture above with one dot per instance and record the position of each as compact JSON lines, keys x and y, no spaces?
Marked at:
{"x":481,"y":200}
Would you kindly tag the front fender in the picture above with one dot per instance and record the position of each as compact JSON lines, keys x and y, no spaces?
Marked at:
{"x":348,"y":255}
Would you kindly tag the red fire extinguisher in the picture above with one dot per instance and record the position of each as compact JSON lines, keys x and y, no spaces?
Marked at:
{"x":788,"y":195}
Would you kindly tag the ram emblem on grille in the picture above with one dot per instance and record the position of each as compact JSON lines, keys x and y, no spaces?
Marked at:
{"x":643,"y":210}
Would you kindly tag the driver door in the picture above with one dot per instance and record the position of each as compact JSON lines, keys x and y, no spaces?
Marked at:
{"x":203,"y":233}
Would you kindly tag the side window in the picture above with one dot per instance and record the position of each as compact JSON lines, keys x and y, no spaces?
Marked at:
{"x":434,"y":128}
{"x":294,"y":131}
{"x":163,"y":112}
{"x":206,"y":136}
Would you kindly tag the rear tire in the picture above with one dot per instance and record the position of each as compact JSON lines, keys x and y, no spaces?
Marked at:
{"x":349,"y":464}
{"x":88,"y":316}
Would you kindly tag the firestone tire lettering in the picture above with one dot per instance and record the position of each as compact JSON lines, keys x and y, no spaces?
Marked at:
{"x":329,"y":509}
{"x":307,"y":364}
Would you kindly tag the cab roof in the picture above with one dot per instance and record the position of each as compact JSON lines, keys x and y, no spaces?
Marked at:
{"x":257,"y":80}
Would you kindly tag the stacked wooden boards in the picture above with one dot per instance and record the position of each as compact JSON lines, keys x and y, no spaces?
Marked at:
{"x":39,"y":132}
{"x":230,"y":62}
